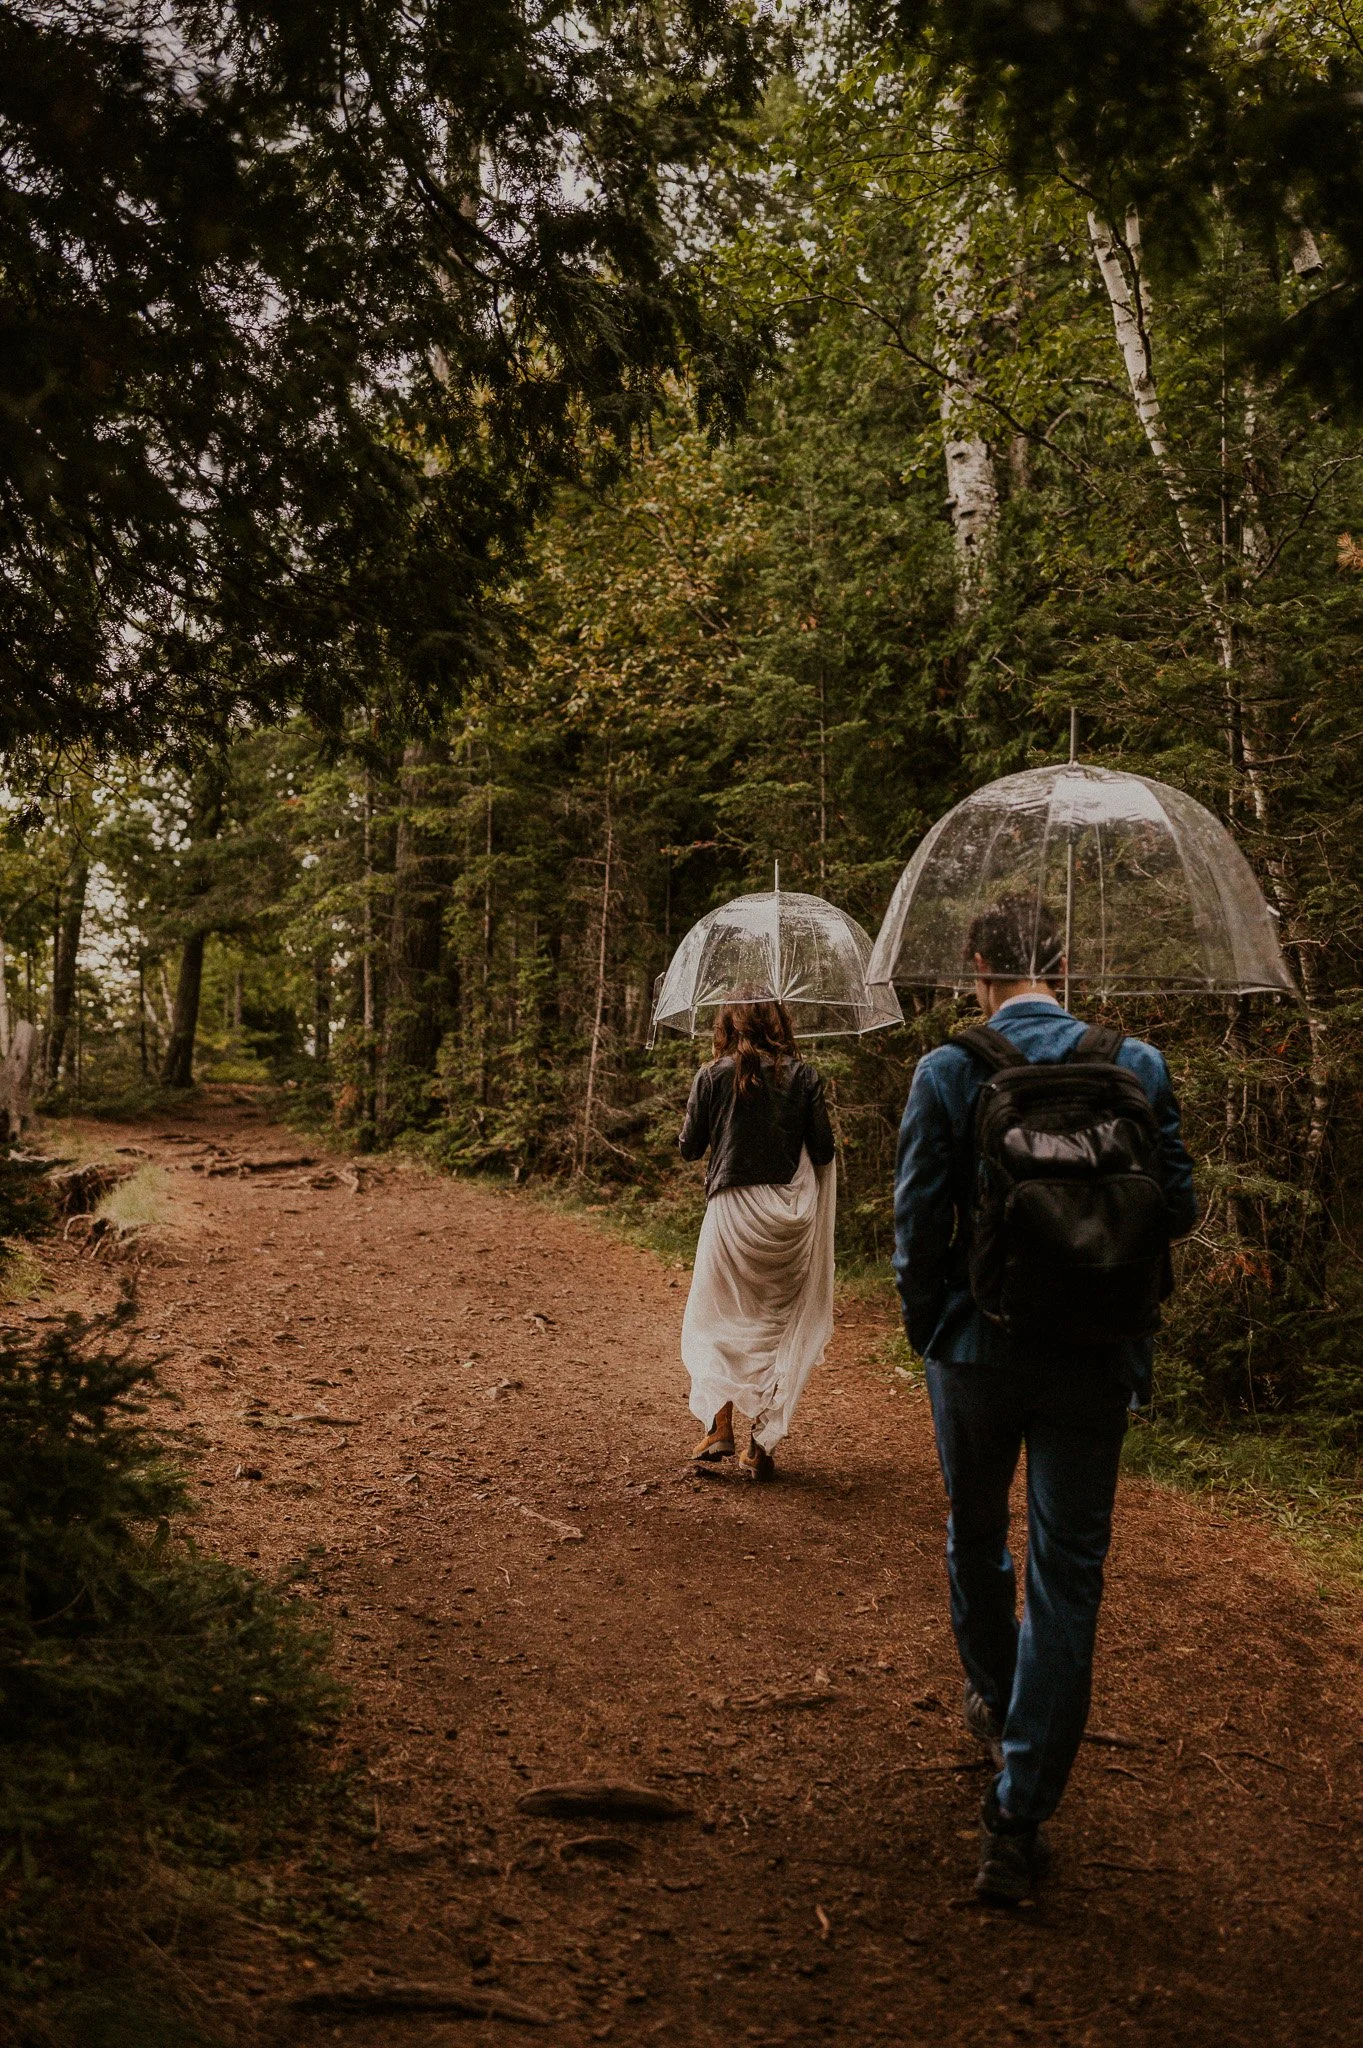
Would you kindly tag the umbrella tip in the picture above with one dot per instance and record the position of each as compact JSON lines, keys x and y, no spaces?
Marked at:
{"x":1074,"y":735}
{"x":776,"y":877}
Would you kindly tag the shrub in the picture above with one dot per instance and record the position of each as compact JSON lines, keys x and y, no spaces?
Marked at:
{"x":133,"y":1667}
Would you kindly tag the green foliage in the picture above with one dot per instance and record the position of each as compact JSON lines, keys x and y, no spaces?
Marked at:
{"x":794,"y":645}
{"x":1288,"y":1477}
{"x":161,"y":1709}
{"x":1194,"y":114}
{"x":136,"y":1671}
{"x":302,"y":318}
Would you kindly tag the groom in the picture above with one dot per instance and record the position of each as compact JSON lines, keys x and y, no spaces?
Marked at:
{"x":1027,"y":1689}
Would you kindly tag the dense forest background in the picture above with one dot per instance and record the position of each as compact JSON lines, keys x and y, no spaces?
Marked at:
{"x":1006,"y":449}
{"x":478,"y":485}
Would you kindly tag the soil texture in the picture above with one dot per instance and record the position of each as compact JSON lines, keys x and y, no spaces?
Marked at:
{"x":466,"y":1408}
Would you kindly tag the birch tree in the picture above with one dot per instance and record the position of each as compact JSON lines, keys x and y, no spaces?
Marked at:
{"x":958,"y":309}
{"x":1118,"y":256}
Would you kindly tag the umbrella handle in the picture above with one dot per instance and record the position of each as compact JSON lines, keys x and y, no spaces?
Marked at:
{"x":776,"y":892}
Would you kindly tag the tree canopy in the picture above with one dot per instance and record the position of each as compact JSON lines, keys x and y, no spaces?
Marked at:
{"x":304,"y":308}
{"x":543,"y":669}
{"x":1190,"y":113}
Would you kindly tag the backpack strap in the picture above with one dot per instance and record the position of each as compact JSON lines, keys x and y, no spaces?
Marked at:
{"x":1099,"y":1042}
{"x":992,"y":1047}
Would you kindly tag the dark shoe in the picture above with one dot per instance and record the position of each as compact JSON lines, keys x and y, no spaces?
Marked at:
{"x":757,"y":1463}
{"x":1013,"y":1856}
{"x":983,"y":1723}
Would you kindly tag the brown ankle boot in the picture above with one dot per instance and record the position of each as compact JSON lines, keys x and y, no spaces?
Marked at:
{"x":716,"y":1443}
{"x":757,"y":1463}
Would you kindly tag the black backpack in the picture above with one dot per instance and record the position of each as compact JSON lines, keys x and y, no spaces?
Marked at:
{"x":1070,"y":1231}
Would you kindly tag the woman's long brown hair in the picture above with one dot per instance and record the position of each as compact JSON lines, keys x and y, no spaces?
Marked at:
{"x":747,"y":1030}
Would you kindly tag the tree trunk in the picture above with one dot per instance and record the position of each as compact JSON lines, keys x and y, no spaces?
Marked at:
{"x":64,"y":965}
{"x":4,"y":1001}
{"x":177,"y":1069}
{"x":16,"y":1080}
{"x":972,"y":486}
{"x":206,"y":816}
{"x":485,"y":997}
{"x":1119,"y":263}
{"x":142,"y":1010}
{"x":321,"y":1007}
{"x":411,"y":1025}
{"x":598,"y":1020}
{"x":367,"y":1002}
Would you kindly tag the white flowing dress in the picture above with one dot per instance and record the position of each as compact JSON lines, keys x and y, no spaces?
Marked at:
{"x":760,"y":1311}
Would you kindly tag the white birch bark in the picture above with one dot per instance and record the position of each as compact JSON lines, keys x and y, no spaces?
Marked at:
{"x":972,"y":486}
{"x":1301,"y":247}
{"x":1119,"y":264}
{"x":167,"y":998}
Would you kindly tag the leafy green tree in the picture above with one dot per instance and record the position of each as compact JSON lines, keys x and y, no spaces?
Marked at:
{"x":304,"y":307}
{"x":1007,"y":462}
{"x":1190,"y":113}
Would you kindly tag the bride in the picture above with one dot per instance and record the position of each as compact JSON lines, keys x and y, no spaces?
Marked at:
{"x":760,"y":1310}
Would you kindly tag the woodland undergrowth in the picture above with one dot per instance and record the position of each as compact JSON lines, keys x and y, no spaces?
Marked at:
{"x":166,"y":1714}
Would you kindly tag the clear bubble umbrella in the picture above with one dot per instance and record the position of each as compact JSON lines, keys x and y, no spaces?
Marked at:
{"x":1147,"y":888}
{"x":775,"y":946}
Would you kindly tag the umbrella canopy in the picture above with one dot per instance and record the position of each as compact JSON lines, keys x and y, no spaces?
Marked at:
{"x":1148,"y":889}
{"x":777,"y":946}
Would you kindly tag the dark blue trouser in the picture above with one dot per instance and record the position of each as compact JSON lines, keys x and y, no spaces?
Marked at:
{"x":1036,"y":1678}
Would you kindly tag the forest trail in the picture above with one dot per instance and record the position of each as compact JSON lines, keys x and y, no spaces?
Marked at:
{"x":469,"y":1406}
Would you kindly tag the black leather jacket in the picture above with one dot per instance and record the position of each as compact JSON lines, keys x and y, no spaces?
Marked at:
{"x":755,"y":1140}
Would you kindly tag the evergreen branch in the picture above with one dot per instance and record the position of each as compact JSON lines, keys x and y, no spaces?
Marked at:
{"x":946,"y":378}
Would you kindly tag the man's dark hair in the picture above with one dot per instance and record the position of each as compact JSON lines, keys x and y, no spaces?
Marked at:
{"x":1017,"y":938}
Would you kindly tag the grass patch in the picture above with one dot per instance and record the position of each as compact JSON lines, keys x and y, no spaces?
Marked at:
{"x":895,"y":1356}
{"x":21,"y":1275}
{"x":1309,"y":1491}
{"x":666,"y":1223}
{"x":121,"y":1101}
{"x":139,"y":1200}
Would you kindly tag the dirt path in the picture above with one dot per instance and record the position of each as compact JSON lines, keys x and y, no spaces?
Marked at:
{"x":527,"y":1584}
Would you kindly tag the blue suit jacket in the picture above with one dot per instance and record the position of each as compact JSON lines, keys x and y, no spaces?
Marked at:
{"x":934,"y":1180}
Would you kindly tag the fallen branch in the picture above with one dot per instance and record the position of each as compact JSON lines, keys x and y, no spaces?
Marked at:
{"x":760,"y":1702}
{"x":607,"y":1800}
{"x":1135,"y":1869}
{"x":244,"y":1166}
{"x":964,"y":1763}
{"x":363,"y":2001}
{"x":564,"y":1531}
{"x":603,"y":1848}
